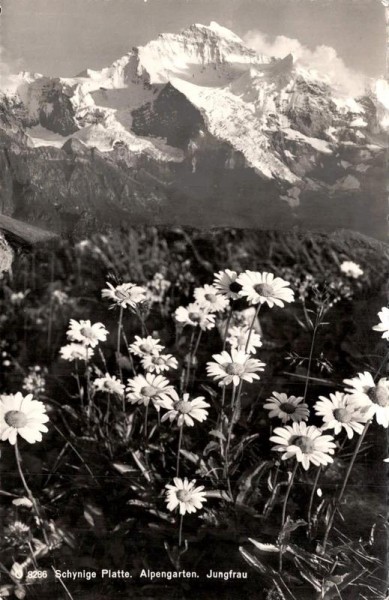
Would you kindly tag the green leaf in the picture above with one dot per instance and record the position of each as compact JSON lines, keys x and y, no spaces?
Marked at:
{"x":308,"y":575}
{"x":139,"y":459}
{"x":218,"y":434}
{"x":288,"y":528}
{"x":123,"y":468}
{"x":219,"y":494}
{"x":264,"y":547}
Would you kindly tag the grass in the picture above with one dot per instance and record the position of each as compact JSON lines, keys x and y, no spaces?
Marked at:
{"x":99,"y":480}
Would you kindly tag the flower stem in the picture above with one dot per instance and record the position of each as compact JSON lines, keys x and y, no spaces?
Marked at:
{"x":236,"y":404}
{"x":288,"y":493}
{"x":145,"y":422}
{"x":345,"y":481}
{"x":50,"y":325}
{"x":180,"y":530}
{"x":63,"y":584}
{"x":128,"y":351}
{"x":223,"y":396}
{"x":106,"y":418}
{"x":227,"y":327}
{"x":188,"y":367}
{"x":314,"y":332}
{"x":252,"y":327}
{"x":227,"y":450}
{"x":194,"y":353}
{"x":119,"y":335}
{"x":80,"y":391}
{"x":284,"y":507}
{"x":221,"y":413}
{"x":19,"y":465}
{"x":311,"y":499}
{"x":142,"y":322}
{"x":179,"y":450}
{"x":197,"y":343}
{"x":87,"y":375}
{"x":29,"y":492}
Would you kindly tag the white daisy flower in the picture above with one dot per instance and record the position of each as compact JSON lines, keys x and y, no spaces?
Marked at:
{"x":17,"y":571}
{"x":209,"y":298}
{"x":73,"y":351}
{"x":225,"y":282}
{"x":185,"y":495}
{"x":34,"y":382}
{"x":260,"y":288}
{"x":22,"y":415}
{"x":17,"y":531}
{"x":157,"y":288}
{"x":145,"y":346}
{"x":340,"y":412}
{"x":287,"y":408}
{"x":241,"y":319}
{"x":383,"y":327}
{"x":109,"y":384}
{"x":234,"y":367}
{"x":351,"y":269}
{"x":360,"y":385}
{"x":124,"y":295}
{"x":86,"y":333}
{"x":60,"y":297}
{"x":372,"y":398}
{"x":24,"y":501}
{"x":158,"y":363}
{"x":145,"y":388}
{"x":18,"y":297}
{"x":185,"y":410}
{"x":238,"y":336}
{"x":306,"y":443}
{"x":194,"y":315}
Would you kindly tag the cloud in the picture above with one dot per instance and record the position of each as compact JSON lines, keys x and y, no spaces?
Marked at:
{"x":323,"y":59}
{"x":8,"y":71}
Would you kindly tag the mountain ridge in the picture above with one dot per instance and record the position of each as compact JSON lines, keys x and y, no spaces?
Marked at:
{"x":189,"y":112}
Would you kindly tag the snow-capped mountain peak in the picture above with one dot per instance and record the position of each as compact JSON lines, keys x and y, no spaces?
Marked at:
{"x":202,"y":99}
{"x":209,"y":55}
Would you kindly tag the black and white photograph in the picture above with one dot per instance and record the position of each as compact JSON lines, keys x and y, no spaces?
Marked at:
{"x":194,"y":299}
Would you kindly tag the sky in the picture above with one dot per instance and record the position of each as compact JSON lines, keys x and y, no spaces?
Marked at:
{"x":63,"y":37}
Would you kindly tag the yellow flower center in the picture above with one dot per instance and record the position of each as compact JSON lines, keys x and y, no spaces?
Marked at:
{"x":288,"y":408}
{"x":122,"y":295}
{"x":264,"y":289}
{"x":183,"y":406}
{"x":343,"y":415}
{"x":235,"y":287}
{"x":379,"y":395}
{"x":146,"y":347}
{"x":194,"y":316}
{"x":15,"y":418}
{"x":87,"y":332}
{"x":234,"y":368}
{"x":210,"y":297}
{"x":149,"y":391}
{"x":184,"y":495}
{"x":158,"y":360}
{"x":305,"y":443}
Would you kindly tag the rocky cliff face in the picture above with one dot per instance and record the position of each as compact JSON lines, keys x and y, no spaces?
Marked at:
{"x":194,"y":128}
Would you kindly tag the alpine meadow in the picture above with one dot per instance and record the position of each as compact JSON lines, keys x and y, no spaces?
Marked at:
{"x":194,"y":317}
